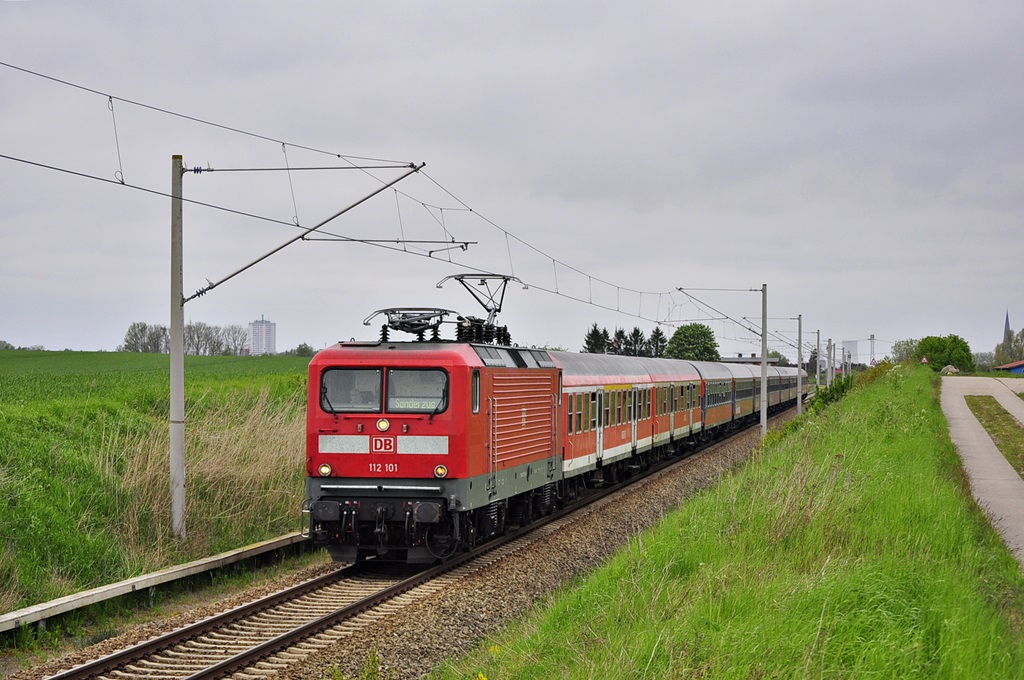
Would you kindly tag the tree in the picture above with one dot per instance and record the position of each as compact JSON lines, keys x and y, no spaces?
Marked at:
{"x":904,"y":350}
{"x":6,"y":345}
{"x":635,"y":344}
{"x":144,"y":337}
{"x":234,"y":339}
{"x":595,"y":341}
{"x":656,"y":343}
{"x":303,"y":350}
{"x":693,"y":341}
{"x":202,"y":339}
{"x":984,"y":361}
{"x":618,"y":344}
{"x":782,"y":360}
{"x":951,"y":350}
{"x":812,"y":362}
{"x":1009,"y":351}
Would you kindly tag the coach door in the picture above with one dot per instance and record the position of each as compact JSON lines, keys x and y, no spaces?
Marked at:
{"x":672,"y":406}
{"x":599,"y":433}
{"x":634,"y":413}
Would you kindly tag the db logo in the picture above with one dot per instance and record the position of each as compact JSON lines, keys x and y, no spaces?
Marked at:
{"x":382,"y":445}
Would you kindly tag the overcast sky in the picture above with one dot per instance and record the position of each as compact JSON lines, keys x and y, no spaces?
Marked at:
{"x":864,"y":160}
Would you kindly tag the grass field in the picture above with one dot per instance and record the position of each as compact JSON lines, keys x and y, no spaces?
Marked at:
{"x":84,"y":478}
{"x":848,"y":547}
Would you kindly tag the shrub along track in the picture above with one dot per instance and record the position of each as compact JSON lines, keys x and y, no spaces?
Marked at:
{"x":446,"y":616}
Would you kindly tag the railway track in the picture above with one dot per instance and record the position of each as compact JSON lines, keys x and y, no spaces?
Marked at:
{"x":267,"y":636}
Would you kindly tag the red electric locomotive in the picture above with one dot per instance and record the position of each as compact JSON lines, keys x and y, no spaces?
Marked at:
{"x":415,"y":447}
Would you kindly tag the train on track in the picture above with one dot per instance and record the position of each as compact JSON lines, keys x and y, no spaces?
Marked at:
{"x":418,"y":449}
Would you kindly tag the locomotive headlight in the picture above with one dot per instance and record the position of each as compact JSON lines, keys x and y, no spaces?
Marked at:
{"x":324,"y":470}
{"x":383,"y":424}
{"x":441,"y":471}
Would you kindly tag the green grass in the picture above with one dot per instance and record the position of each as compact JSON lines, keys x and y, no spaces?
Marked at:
{"x":1003,"y":428}
{"x":84,"y":481}
{"x":847,"y":548}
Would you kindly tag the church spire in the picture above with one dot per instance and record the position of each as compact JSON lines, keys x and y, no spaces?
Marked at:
{"x":1007,"y":333}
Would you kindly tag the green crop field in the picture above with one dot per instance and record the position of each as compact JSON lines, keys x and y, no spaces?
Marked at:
{"x":84,"y":472}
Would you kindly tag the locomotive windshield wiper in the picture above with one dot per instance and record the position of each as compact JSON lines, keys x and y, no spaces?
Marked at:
{"x":327,"y":400}
{"x":442,"y":402}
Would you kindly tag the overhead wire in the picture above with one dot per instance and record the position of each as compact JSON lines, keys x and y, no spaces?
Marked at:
{"x":350,"y":159}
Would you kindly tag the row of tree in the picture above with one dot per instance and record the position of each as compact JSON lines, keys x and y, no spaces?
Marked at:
{"x":694,"y":341}
{"x":6,"y":345}
{"x":201,"y":339}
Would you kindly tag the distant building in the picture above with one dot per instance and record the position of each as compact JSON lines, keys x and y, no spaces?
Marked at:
{"x":262,"y":337}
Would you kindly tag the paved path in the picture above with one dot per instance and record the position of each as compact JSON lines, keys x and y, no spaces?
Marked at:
{"x":997,"y":487}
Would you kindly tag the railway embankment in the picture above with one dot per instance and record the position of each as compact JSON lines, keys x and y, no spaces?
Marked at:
{"x":848,"y":546}
{"x":84,"y":472}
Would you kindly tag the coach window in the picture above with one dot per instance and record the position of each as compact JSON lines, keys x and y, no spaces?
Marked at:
{"x":476,"y":391}
{"x":581,"y":418}
{"x":593,"y":410}
{"x":581,"y":412}
{"x":574,"y":413}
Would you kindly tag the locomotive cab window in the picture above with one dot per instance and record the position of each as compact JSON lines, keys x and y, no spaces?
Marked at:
{"x":417,"y":390}
{"x":350,"y":390}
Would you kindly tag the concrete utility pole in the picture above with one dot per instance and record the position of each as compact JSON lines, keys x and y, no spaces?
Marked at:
{"x":817,"y":361}
{"x":829,"y":375}
{"x":799,"y":362}
{"x":764,"y":360}
{"x":177,"y":452}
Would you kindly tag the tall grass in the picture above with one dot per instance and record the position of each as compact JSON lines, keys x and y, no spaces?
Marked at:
{"x":244,"y":480}
{"x":84,"y":472}
{"x":846,"y":548}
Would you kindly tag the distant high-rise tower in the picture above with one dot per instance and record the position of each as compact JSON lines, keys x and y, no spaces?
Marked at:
{"x":1007,"y":333}
{"x":262,"y":337}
